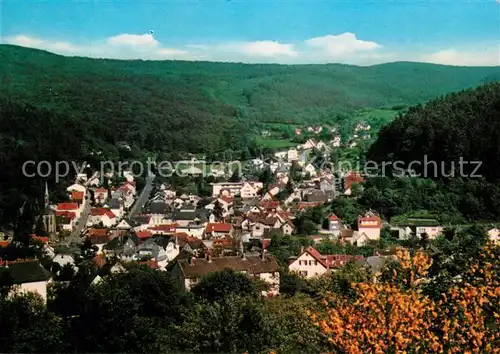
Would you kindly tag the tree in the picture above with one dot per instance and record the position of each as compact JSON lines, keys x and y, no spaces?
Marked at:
{"x":235,"y":177}
{"x":27,"y":326}
{"x":394,"y":315}
{"x":218,"y":285}
{"x":218,"y":210}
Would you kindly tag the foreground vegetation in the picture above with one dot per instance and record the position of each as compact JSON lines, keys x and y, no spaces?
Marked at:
{"x":423,"y":304}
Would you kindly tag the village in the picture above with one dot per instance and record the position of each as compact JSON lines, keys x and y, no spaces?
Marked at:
{"x":192,"y":236}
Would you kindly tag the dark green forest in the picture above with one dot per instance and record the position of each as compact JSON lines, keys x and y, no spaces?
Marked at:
{"x":461,"y":126}
{"x":66,"y":108}
{"x":175,"y":105}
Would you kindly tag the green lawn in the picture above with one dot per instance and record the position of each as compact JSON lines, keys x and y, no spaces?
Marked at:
{"x":272,"y":143}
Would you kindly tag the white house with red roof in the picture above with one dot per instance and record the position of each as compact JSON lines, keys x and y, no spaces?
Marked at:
{"x":76,"y":187}
{"x":69,"y":207}
{"x":334,"y":224}
{"x":226,"y":188}
{"x":310,"y":263}
{"x":66,"y":220}
{"x":101,"y":215}
{"x":370,"y":224}
{"x":218,"y":229}
{"x":100,"y":195}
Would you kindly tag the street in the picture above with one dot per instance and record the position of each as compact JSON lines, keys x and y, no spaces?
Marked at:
{"x":143,"y":197}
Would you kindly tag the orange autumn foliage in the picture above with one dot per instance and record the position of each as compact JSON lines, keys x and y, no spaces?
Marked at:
{"x":388,"y":317}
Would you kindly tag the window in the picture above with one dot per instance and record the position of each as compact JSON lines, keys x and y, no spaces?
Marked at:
{"x":315,"y":262}
{"x":300,"y":262}
{"x":303,"y":273}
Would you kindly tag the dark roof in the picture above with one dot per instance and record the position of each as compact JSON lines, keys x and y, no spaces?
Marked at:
{"x":113,"y":203}
{"x":317,"y":196}
{"x":184,"y":214}
{"x":26,"y":272}
{"x":251,"y":264}
{"x":158,"y":208}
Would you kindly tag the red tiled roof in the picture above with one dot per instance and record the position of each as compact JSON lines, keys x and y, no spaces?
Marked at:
{"x":316,"y":255}
{"x":100,"y":260}
{"x":67,"y":214}
{"x":144,"y":234}
{"x":272,"y":204}
{"x":372,"y":218}
{"x":4,"y":243}
{"x":101,"y":190}
{"x":333,"y":217}
{"x":304,"y":205}
{"x":67,"y":206}
{"x":265,"y":243}
{"x":218,"y":227}
{"x":353,"y":177}
{"x":165,"y":227}
{"x":226,"y":199}
{"x":40,"y":238}
{"x":98,"y":232}
{"x":152,"y":264}
{"x":102,"y":211}
{"x":75,"y":195}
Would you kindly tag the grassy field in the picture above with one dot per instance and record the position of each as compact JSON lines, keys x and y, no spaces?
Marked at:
{"x":272,"y":143}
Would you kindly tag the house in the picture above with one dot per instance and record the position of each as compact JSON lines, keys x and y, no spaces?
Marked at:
{"x":334,"y":224}
{"x":292,"y":155}
{"x":148,"y":249}
{"x":309,"y":144}
{"x":99,"y":238}
{"x":27,"y":276}
{"x":370,"y":224}
{"x":122,"y":246}
{"x":66,"y":220}
{"x":69,"y":207}
{"x":309,"y":169}
{"x":76,"y":187}
{"x":77,"y":196}
{"x":144,"y":235}
{"x":250,"y":189}
{"x":116,"y":207}
{"x":351,"y":178}
{"x":101,"y":215}
{"x":216,"y":230}
{"x":431,"y":231}
{"x":124,"y":225}
{"x":310,"y":263}
{"x":64,"y":259}
{"x":226,"y":188}
{"x":100,"y":195}
{"x":494,"y":236}
{"x":164,"y":229}
{"x":188,"y":272}
{"x":336,"y":142}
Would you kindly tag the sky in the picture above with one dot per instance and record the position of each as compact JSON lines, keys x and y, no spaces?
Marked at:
{"x":279,"y":31}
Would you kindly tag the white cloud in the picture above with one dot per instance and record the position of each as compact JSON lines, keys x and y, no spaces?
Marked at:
{"x":342,"y":48}
{"x":268,"y":49}
{"x":134,"y":40}
{"x":345,"y":43}
{"x":485,"y":57}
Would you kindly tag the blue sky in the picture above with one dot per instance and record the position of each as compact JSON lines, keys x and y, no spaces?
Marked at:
{"x":358,"y":32}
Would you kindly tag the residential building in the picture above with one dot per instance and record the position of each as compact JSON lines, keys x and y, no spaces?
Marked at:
{"x":188,"y":272}
{"x":226,"y":188}
{"x":310,"y":263}
{"x":27,"y":276}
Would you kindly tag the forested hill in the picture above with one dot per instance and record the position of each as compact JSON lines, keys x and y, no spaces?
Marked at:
{"x":175,"y":105}
{"x":461,"y":125}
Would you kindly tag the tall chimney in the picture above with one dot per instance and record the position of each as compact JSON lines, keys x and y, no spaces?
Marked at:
{"x":301,"y":249}
{"x":263,"y":255}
